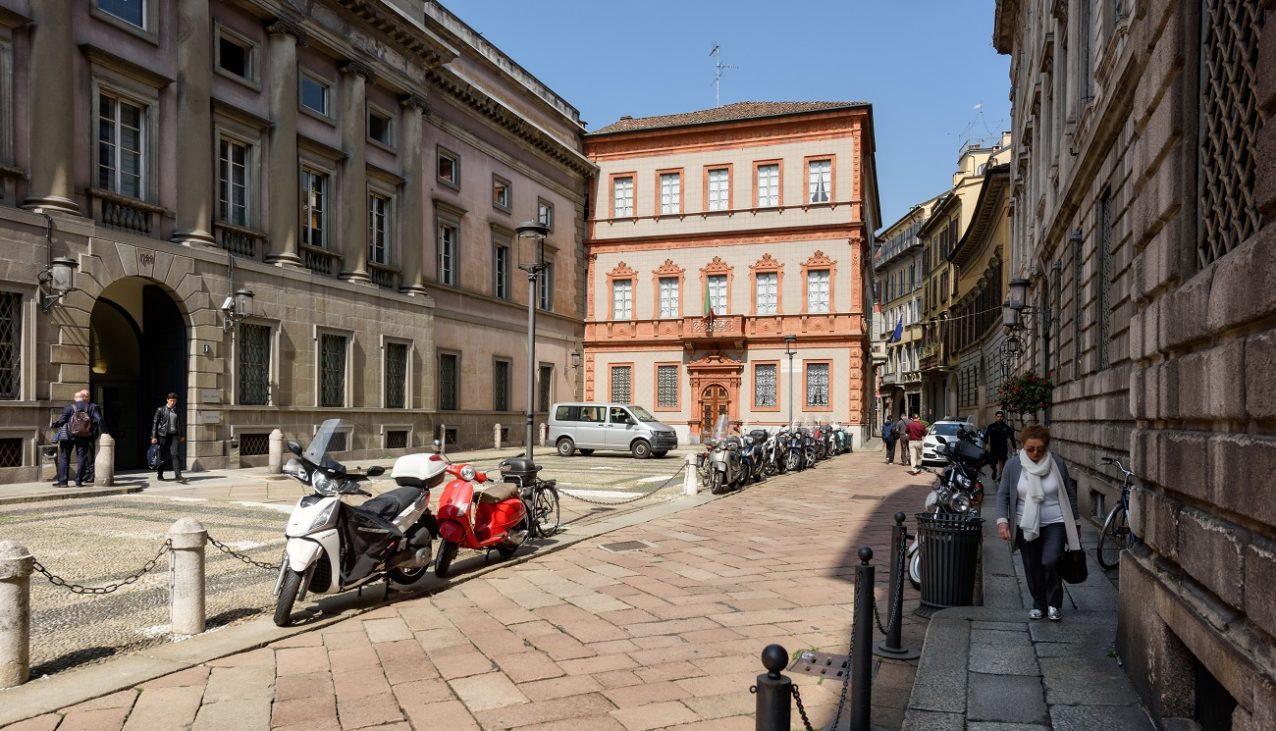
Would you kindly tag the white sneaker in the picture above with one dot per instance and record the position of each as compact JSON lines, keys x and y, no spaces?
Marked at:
{"x":1035,"y":614}
{"x":1055,"y":614}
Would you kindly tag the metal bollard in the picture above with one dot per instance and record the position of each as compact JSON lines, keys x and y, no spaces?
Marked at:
{"x":892,"y":646}
{"x":496,"y":436}
{"x":442,"y":438}
{"x":186,"y":601}
{"x":104,"y":464}
{"x":15,"y":614}
{"x":862,"y":654}
{"x":775,"y":692}
{"x":690,"y":478}
{"x":275,"y":461}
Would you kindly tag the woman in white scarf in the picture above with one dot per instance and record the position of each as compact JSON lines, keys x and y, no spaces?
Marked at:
{"x":1031,"y":494}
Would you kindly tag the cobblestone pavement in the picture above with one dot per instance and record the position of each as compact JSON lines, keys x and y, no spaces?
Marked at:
{"x":100,"y":541}
{"x":658,"y":625}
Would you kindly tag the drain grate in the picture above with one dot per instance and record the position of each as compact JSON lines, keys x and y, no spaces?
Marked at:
{"x":821,"y":664}
{"x":623,"y":546}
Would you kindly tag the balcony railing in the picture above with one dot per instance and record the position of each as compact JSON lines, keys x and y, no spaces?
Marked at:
{"x":241,"y":241}
{"x":122,"y":212}
{"x":321,"y":261}
{"x":384,"y":275}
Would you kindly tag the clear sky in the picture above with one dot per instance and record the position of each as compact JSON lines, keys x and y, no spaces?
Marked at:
{"x":927,"y":66}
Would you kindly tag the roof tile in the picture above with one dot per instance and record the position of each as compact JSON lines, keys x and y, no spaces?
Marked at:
{"x":725,"y":113}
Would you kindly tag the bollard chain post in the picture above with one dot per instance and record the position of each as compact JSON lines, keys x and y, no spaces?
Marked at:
{"x":893,"y":646}
{"x":774,"y":710}
{"x":861,"y":669}
{"x":16,"y":563}
{"x":186,"y":576}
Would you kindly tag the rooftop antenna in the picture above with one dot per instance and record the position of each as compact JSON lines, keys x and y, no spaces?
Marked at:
{"x":718,"y":68}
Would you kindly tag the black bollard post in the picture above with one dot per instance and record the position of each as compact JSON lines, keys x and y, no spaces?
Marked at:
{"x":862,"y":654}
{"x":893,"y":646}
{"x":775,"y":692}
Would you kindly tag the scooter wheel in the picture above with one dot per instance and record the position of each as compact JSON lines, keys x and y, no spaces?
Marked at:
{"x":405,"y":577}
{"x":717,"y":485}
{"x":444,"y":561}
{"x":288,"y":591}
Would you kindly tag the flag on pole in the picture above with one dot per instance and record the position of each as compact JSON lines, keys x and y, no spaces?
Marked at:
{"x":708,"y":304}
{"x":898,"y":334}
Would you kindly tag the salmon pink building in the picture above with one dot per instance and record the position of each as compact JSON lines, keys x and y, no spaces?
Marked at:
{"x":713,"y":236}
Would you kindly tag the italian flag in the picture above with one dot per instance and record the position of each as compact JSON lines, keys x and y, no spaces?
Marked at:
{"x":708,"y":303}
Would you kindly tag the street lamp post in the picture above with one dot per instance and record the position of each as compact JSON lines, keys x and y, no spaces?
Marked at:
{"x":789,"y":341}
{"x":537,"y":231}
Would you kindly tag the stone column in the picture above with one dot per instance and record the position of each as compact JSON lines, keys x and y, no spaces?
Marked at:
{"x":15,"y":613}
{"x":52,"y":121}
{"x":282,"y":171}
{"x":354,"y":178}
{"x":194,"y":126}
{"x":412,"y":202}
{"x":186,"y":603}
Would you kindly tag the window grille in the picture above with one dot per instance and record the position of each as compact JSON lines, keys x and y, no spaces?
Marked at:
{"x":668,"y":297}
{"x":820,"y":180}
{"x":544,"y":387}
{"x":767,"y":301}
{"x":396,"y":375}
{"x":501,"y":385}
{"x":254,"y":444}
{"x":254,"y":364}
{"x":620,"y":391}
{"x":448,"y":385}
{"x":667,"y":386}
{"x":397,"y":439}
{"x":339,"y":442}
{"x":1230,"y":127}
{"x":817,"y":384}
{"x":332,"y":370}
{"x":11,"y":452}
{"x":10,"y":345}
{"x":764,"y":385}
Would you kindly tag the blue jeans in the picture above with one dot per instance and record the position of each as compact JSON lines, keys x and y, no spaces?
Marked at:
{"x":890,"y":449}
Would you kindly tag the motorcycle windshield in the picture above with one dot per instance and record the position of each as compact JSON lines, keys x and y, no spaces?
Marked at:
{"x":721,"y":429}
{"x":333,"y":436}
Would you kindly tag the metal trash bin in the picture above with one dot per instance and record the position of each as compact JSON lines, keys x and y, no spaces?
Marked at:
{"x":949,"y":547}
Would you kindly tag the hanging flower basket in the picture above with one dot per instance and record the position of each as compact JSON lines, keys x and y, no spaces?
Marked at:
{"x":1026,"y":393}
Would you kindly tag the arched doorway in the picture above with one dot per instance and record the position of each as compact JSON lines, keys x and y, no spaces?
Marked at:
{"x":137,"y":354}
{"x":714,"y":402}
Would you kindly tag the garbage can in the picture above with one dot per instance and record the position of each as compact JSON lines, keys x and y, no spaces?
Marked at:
{"x":949,"y":546}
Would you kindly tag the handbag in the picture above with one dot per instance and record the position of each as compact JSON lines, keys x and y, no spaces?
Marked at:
{"x":153,"y":456}
{"x":1072,"y":564}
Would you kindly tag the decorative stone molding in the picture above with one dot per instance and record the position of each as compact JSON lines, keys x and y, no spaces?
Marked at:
{"x":766,"y":264}
{"x":622,"y":271}
{"x":669,"y":269}
{"x":360,"y":68}
{"x":415,"y":101}
{"x":285,"y":26}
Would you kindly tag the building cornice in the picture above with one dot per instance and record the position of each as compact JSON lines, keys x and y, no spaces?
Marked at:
{"x":1003,"y":27}
{"x":991,"y":197}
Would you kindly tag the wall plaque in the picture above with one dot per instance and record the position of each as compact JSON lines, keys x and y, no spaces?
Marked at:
{"x":210,"y":396}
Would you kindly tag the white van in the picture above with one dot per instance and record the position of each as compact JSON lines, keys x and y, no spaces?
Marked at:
{"x":619,"y":427}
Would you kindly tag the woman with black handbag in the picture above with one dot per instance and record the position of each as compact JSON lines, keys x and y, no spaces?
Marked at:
{"x":1032,"y":486}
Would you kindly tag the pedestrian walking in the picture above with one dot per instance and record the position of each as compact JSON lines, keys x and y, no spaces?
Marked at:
{"x":1032,"y":491}
{"x":999,"y":440}
{"x":168,"y":431}
{"x":888,"y":437}
{"x":916,"y":433}
{"x":78,"y":426}
{"x":901,"y":437}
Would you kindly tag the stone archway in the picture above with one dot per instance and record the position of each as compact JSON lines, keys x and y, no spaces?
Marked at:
{"x":715,"y":385}
{"x":137,"y":354}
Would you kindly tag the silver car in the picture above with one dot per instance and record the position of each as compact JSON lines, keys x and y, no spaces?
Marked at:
{"x":619,"y":427}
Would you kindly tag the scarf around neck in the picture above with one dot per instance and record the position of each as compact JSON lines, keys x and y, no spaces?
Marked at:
{"x":1032,"y":478}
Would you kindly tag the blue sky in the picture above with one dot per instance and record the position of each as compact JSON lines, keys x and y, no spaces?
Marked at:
{"x":927,"y":66}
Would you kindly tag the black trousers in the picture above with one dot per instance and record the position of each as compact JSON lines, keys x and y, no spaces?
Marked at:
{"x":890,"y":450}
{"x":82,"y":449}
{"x":1040,"y":563}
{"x":169,"y":446}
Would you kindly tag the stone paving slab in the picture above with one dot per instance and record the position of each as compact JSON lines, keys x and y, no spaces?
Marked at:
{"x":571,"y":638}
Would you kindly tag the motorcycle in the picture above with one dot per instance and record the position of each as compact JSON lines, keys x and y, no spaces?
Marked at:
{"x":492,"y":515}
{"x":753,"y":454}
{"x":725,"y":467}
{"x":819,"y":438}
{"x":842,"y":439}
{"x":772,"y":455}
{"x":793,"y":455}
{"x":333,"y":547}
{"x":809,"y":454}
{"x":957,"y":492}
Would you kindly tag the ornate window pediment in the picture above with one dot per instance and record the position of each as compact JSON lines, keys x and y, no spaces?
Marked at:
{"x":818,"y":259}
{"x":717,"y":266}
{"x":622,"y":271}
{"x":766,"y":264}
{"x":669,"y":269}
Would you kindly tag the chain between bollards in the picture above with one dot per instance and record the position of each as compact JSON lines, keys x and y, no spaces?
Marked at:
{"x":892,"y":646}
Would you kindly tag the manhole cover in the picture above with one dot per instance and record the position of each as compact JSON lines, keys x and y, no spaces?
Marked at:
{"x":626,"y":546}
{"x":820,"y":664}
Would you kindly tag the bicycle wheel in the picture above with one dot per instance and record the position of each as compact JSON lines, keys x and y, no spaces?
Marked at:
{"x":1114,"y":538}
{"x":546,"y":512}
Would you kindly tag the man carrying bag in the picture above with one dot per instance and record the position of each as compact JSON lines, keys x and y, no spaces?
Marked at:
{"x":168,"y":432}
{"x":78,"y":426}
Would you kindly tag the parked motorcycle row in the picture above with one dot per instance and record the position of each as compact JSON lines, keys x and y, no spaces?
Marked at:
{"x":730,"y":461}
{"x":956,"y":492}
{"x":333,"y":546}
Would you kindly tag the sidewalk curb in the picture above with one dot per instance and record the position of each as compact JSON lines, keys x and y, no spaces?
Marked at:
{"x":50,"y":693}
{"x":64,"y":493}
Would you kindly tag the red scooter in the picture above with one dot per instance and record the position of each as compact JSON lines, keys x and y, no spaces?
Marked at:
{"x":491,"y":515}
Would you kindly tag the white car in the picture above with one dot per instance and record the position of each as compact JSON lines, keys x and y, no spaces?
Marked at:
{"x":948,"y":429}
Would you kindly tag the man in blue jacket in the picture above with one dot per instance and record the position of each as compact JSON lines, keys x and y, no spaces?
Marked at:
{"x":78,"y":426}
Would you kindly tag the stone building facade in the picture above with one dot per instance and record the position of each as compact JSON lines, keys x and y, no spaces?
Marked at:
{"x":761,"y":213}
{"x":360,"y":166}
{"x":900,"y":274}
{"x":1143,"y":194}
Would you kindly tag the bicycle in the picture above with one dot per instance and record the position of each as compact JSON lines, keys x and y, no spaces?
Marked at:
{"x":1116,"y":535}
{"x":541,"y":498}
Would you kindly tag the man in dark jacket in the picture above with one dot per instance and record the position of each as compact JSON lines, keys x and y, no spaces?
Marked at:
{"x":71,"y":436}
{"x":1000,"y":442}
{"x":168,"y":431}
{"x":888,"y":437}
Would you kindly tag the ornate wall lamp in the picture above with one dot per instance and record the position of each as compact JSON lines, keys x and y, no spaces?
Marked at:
{"x":236,"y":308}
{"x":575,"y":354}
{"x":56,"y":281}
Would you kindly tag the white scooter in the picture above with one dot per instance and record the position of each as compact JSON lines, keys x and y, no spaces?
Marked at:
{"x":332,"y":546}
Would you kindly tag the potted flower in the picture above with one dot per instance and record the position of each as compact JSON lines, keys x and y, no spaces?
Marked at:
{"x":1026,"y":393}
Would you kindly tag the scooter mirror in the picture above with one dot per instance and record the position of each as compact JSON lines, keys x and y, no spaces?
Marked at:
{"x":940,"y":439}
{"x":376,"y":471}
{"x":294,"y":447}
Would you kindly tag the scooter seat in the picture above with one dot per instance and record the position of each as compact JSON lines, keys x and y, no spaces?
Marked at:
{"x":388,"y":505}
{"x":495,"y":492}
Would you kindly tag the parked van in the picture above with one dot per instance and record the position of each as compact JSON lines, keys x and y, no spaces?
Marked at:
{"x":620,"y":427}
